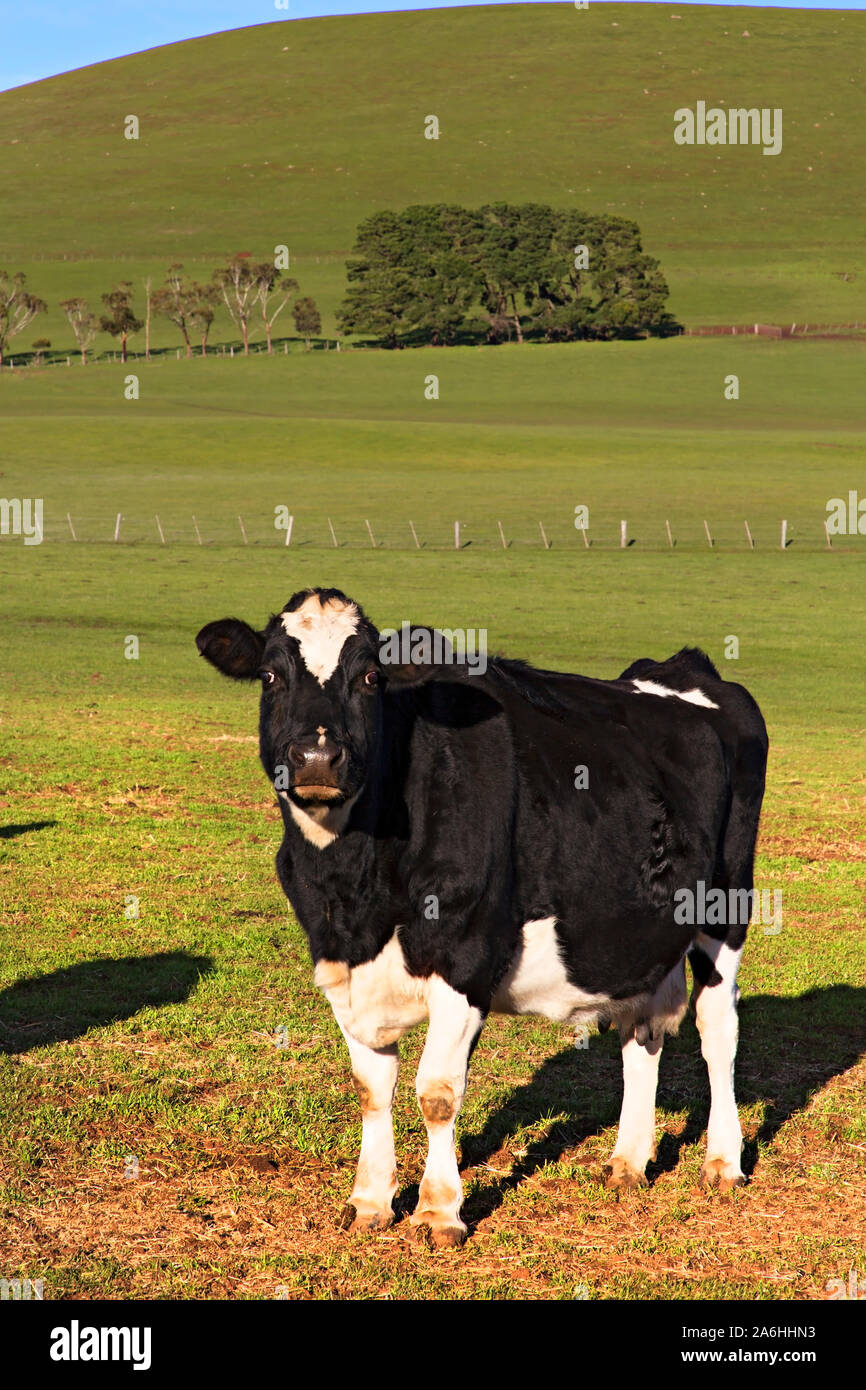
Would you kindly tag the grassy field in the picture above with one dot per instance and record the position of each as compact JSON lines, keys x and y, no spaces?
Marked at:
{"x":291,"y":133}
{"x":639,"y":431}
{"x":176,"y":1112}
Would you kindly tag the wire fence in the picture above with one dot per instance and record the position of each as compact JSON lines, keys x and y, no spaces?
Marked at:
{"x":310,"y":531}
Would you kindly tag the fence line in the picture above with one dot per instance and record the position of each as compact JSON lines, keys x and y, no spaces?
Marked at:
{"x":463,"y":536}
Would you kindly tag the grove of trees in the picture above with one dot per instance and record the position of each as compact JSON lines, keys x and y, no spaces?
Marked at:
{"x":437,"y":272}
{"x":245,"y":288}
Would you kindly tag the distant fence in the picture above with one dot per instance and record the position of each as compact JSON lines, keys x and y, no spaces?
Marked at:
{"x":315,"y":532}
{"x":773,"y":330}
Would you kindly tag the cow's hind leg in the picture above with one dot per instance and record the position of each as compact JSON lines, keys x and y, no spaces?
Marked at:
{"x":374,"y":1072}
{"x":440,"y":1086}
{"x":641,"y":1053}
{"x":716,"y":995}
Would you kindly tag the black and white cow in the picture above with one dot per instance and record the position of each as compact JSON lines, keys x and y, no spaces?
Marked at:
{"x":445,"y":861}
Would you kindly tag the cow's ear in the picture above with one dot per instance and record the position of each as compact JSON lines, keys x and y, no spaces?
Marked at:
{"x":233,"y":647}
{"x":415,"y":655}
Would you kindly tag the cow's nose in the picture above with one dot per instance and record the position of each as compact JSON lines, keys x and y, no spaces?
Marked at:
{"x":317,"y":758}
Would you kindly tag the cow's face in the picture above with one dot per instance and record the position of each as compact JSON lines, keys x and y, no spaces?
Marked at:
{"x":321,"y":701}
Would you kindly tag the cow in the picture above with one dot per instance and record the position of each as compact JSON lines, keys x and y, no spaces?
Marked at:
{"x":460,"y":841}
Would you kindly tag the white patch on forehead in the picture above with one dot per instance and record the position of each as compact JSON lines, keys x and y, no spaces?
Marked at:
{"x":694,"y":697}
{"x":321,"y":632}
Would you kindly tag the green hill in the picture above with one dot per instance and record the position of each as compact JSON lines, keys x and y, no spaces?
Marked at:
{"x":292,"y":132}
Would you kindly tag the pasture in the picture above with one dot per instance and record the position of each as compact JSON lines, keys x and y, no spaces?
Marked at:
{"x":292,"y":133}
{"x":176,"y":1111}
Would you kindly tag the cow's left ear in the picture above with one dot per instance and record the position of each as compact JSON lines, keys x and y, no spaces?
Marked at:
{"x":233,"y":647}
{"x":413,"y":655}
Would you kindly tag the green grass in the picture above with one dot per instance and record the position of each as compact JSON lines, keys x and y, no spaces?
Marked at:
{"x":639,"y":431}
{"x":155,"y":1035}
{"x":292,"y":133}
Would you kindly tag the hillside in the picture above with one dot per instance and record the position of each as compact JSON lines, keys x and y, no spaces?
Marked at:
{"x":292,"y":132}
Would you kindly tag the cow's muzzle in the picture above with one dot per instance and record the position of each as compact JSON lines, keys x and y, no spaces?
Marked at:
{"x":316,"y":767}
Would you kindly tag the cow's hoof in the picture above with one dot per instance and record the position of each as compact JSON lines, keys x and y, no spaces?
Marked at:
{"x":620,"y":1175}
{"x":717,"y":1172}
{"x":353,"y":1220}
{"x":433,"y":1231}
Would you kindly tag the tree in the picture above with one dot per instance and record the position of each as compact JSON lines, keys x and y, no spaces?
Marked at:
{"x":40,"y":347}
{"x":239,"y":284}
{"x":121,"y":321}
{"x":148,"y":303}
{"x":84,"y":325}
{"x":174,"y":301}
{"x":411,"y":274}
{"x":273,"y":294}
{"x":201,"y":312}
{"x":630,"y":286}
{"x":512,"y":256}
{"x":308,"y":320}
{"x":18,"y":307}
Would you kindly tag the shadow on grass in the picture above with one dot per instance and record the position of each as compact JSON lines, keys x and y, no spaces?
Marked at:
{"x":11,"y":832}
{"x":789,"y":1049}
{"x":60,"y":1006}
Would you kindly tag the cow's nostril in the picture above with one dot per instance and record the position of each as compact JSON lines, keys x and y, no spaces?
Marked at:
{"x":296,"y":755}
{"x":338,"y":759}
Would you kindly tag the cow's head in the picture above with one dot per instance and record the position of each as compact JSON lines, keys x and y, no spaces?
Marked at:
{"x":323,"y":677}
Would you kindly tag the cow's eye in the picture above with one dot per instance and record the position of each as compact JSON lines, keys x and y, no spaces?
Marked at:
{"x":372,"y":679}
{"x":268,"y":679}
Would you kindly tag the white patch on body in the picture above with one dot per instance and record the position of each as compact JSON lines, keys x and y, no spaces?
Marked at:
{"x":536,"y":982}
{"x":376,"y":1002}
{"x":321,"y":632}
{"x":694,"y":697}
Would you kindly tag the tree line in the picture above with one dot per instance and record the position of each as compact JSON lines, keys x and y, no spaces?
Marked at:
{"x":440,"y":273}
{"x":249,"y":290}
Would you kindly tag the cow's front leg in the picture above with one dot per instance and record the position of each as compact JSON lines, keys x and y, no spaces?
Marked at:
{"x":440,"y":1086}
{"x":374,"y":1072}
{"x":635,"y":1140}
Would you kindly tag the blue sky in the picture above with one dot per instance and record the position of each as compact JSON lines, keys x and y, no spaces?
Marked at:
{"x":39,"y":38}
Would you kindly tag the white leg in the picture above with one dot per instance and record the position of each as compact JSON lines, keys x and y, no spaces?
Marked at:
{"x":374,"y":1072}
{"x":440,"y":1086}
{"x":716,"y":1009}
{"x":635,"y":1140}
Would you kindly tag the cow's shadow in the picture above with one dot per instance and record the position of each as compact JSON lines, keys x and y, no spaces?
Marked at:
{"x":57,"y":1007}
{"x":789,"y":1048}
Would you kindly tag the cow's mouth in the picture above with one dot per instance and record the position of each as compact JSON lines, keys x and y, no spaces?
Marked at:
{"x":317,"y":791}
